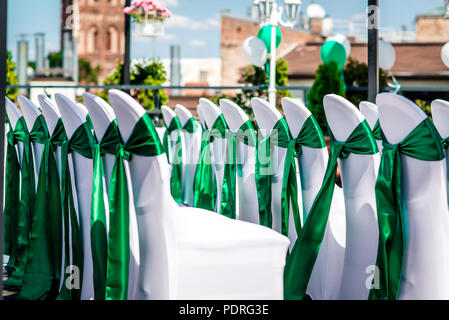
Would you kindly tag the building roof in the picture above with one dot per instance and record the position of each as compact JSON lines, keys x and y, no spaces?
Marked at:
{"x":413,"y":60}
{"x":437,"y":12}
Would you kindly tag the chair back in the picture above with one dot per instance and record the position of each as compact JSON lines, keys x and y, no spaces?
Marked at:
{"x":266,"y":117}
{"x":248,"y":207}
{"x":155,"y":207}
{"x":81,"y":172}
{"x":192,"y":143}
{"x":14,"y":115}
{"x":424,"y":201}
{"x":371,"y":114}
{"x":211,"y":113}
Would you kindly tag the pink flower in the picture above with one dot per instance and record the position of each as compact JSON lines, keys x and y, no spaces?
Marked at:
{"x":147,"y":7}
{"x":129,"y":9}
{"x":138,"y":3}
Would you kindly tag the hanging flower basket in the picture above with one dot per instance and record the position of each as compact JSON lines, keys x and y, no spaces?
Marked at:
{"x":149,"y":16}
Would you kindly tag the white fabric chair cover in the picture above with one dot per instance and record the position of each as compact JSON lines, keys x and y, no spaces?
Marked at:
{"x":440,"y":115}
{"x":201,"y":117}
{"x":248,"y":205}
{"x":325,"y":279}
{"x":266,"y":118}
{"x":426,"y":258}
{"x":210,"y":112}
{"x":14,"y":115}
{"x":189,"y":253}
{"x":102,"y":115}
{"x":160,"y":132}
{"x":81,"y":172}
{"x":369,"y":111}
{"x":358,"y":173}
{"x":192,"y":147}
{"x":30,"y":113}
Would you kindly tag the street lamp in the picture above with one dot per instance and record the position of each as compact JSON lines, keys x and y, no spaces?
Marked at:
{"x":271,"y":14}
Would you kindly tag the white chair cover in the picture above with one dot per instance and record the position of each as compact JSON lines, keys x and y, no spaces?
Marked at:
{"x":440,"y":115}
{"x":14,"y":115}
{"x":81,"y":172}
{"x":248,"y":206}
{"x":102,"y":115}
{"x":358,"y":173}
{"x":324,"y":283}
{"x":426,"y":256}
{"x":369,"y":111}
{"x":189,"y":253}
{"x":266,"y":118}
{"x":192,"y":144}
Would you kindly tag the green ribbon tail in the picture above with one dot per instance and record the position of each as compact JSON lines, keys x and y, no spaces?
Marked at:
{"x":43,"y":269}
{"x":205,"y":189}
{"x":228,"y":200}
{"x":98,"y":233}
{"x":263,"y":182}
{"x":176,"y":174}
{"x":118,"y":249}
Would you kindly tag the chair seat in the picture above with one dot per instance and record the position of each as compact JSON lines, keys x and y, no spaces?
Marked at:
{"x":195,"y":225}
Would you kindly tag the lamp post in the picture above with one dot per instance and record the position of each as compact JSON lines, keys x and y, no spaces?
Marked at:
{"x":373,"y":50}
{"x":271,"y":14}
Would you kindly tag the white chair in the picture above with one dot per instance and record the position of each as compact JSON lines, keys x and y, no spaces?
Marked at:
{"x":102,"y":115}
{"x":31,"y":113}
{"x":192,"y":147}
{"x":440,"y":115}
{"x":201,"y":117}
{"x":424,"y":200}
{"x":14,"y":115}
{"x":267,"y":117}
{"x":168,"y":115}
{"x":358,"y":173}
{"x":369,"y":111}
{"x":82,"y":177}
{"x":324,"y":283}
{"x":189,"y":253}
{"x":248,"y":206}
{"x":210,"y":112}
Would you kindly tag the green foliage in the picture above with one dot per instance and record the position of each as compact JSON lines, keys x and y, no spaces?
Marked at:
{"x":328,"y":80}
{"x":356,"y":75}
{"x":149,"y":73}
{"x":55,"y":59}
{"x":86,"y":73}
{"x":11,"y":78}
{"x":255,"y":76}
{"x":425,"y":106}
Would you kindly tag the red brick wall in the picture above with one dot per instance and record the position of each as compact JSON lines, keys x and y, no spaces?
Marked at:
{"x":432,"y":29}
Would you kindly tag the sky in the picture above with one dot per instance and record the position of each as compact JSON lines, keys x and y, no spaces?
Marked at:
{"x":195,"y":24}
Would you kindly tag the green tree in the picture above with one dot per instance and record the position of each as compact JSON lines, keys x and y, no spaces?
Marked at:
{"x":151,"y":73}
{"x":328,"y":80}
{"x":11,"y":78}
{"x":55,"y":59}
{"x":86,"y":73}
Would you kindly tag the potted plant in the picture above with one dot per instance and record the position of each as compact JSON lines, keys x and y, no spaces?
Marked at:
{"x":149,"y":15}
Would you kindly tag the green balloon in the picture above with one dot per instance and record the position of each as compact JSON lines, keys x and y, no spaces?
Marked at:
{"x":333,"y":51}
{"x":264,"y":34}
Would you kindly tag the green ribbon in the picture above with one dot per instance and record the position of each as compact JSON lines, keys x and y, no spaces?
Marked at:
{"x":423,"y":143}
{"x":281,"y":137}
{"x":144,"y":141}
{"x":205,"y":195}
{"x":445,"y":143}
{"x":176,"y":174}
{"x":98,"y":232}
{"x":26,"y":206}
{"x":190,"y":126}
{"x":12,"y":196}
{"x":199,"y":178}
{"x":302,"y":259}
{"x":82,"y":142}
{"x":43,"y":268}
{"x":377,"y":131}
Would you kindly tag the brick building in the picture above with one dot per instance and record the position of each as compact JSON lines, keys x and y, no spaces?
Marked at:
{"x":99,"y":32}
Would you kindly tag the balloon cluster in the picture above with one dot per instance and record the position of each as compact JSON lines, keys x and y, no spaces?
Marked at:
{"x":256,"y":49}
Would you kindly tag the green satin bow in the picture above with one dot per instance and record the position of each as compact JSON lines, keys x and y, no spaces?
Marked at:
{"x":26,"y":206}
{"x":43,"y":267}
{"x":377,"y":131}
{"x":82,"y":142}
{"x":98,"y":231}
{"x":423,"y":143}
{"x":190,"y":126}
{"x":445,"y":143}
{"x":281,"y":137}
{"x":302,"y":259}
{"x":144,"y":141}
{"x":176,"y":174}
{"x":206,"y":189}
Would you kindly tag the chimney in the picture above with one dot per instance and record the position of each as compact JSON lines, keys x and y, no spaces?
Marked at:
{"x":316,"y":28}
{"x":175,"y":69}
{"x":40,"y":50}
{"x":22,"y":64}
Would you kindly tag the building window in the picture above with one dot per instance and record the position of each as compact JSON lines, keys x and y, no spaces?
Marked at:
{"x":112,"y":40}
{"x":92,"y":40}
{"x":203,"y":76}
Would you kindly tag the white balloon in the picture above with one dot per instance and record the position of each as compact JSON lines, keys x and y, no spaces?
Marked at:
{"x":387,"y":55}
{"x":255,"y":51}
{"x":445,"y":54}
{"x":343,"y":40}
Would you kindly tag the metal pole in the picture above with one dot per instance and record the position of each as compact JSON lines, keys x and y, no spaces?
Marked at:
{"x":373,"y":49}
{"x":3,"y":71}
{"x":272,"y":86}
{"x":127,"y":57}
